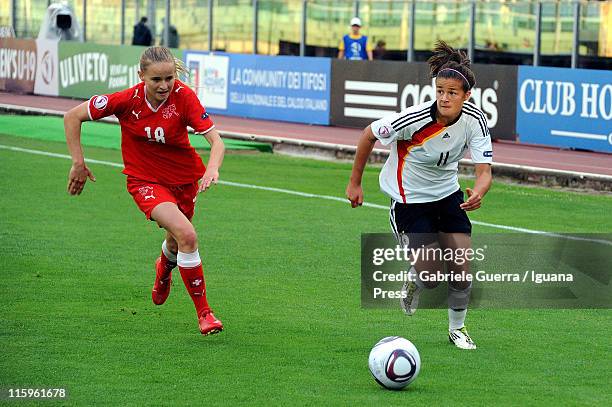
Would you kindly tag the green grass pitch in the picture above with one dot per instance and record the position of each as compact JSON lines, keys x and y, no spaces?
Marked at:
{"x":283,"y":275}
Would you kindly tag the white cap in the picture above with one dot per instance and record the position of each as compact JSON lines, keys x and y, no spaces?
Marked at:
{"x":356,"y":21}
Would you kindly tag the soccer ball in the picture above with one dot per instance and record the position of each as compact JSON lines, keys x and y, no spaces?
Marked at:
{"x":394,"y":362}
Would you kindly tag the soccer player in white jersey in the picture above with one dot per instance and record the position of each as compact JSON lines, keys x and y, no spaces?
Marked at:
{"x":427,"y":204}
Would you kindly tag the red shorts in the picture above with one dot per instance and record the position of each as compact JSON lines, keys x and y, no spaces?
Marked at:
{"x":148,"y":195}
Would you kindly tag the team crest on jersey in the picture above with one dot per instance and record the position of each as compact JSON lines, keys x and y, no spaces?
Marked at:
{"x":384,"y":131}
{"x":100,"y":102}
{"x":169,"y":111}
{"x":146,"y":192}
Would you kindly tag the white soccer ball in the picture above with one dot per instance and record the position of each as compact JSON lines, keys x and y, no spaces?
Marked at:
{"x":394,"y":362}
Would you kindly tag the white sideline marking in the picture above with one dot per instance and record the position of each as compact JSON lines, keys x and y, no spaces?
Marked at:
{"x":588,"y":136}
{"x":309,"y":195}
{"x":333,"y":146}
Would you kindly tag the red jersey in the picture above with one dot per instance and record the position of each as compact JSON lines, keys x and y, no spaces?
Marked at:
{"x":154,"y":142}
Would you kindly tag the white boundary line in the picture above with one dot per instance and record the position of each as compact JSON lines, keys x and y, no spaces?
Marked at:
{"x":335,"y":147}
{"x":306,"y":195}
{"x":588,"y":136}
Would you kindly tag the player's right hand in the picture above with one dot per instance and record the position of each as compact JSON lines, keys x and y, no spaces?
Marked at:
{"x":77,"y":177}
{"x":354,"y":193}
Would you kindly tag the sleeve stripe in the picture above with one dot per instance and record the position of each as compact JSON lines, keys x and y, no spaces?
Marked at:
{"x":473,"y":108}
{"x":481,"y":121}
{"x":483,"y":128}
{"x":205,"y":131}
{"x":88,"y":103}
{"x":408,"y":116}
{"x":412,"y":121}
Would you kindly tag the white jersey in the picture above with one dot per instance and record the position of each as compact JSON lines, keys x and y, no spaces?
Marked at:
{"x":424,"y":158}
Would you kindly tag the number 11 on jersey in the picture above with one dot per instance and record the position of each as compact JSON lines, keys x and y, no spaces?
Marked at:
{"x":443,"y":159}
{"x":158,"y":133}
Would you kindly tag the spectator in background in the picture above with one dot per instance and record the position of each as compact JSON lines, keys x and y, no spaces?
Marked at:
{"x":354,"y":45}
{"x":173,"y":36}
{"x":380,"y":50}
{"x":142,"y":34}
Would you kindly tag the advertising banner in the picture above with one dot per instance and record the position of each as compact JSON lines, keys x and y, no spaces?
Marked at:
{"x":262,"y":87}
{"x":88,"y":69}
{"x":47,"y":68}
{"x":17,"y":65}
{"x":209,"y":78}
{"x":563,"y":107}
{"x":363,"y":91}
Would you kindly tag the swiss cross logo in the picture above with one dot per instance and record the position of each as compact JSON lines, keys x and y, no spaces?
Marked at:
{"x":169,"y":111}
{"x":196,"y":283}
{"x":100,"y":102}
{"x":146,"y":192}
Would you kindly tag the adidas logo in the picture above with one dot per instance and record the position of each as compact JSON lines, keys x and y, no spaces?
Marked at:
{"x":446,"y":135}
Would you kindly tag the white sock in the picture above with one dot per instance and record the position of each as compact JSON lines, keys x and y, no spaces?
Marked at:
{"x":456,"y":319}
{"x":188,"y":260}
{"x":169,"y":255}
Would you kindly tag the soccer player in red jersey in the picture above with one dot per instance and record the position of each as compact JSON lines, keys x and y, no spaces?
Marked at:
{"x":164,"y":172}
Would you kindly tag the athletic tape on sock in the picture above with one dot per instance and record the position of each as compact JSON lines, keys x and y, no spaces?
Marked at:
{"x":169,"y":255}
{"x":188,"y":259}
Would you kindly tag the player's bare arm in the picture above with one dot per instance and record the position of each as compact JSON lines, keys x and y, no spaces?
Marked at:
{"x":481,"y":187}
{"x":79,"y":172}
{"x":217,"y":151}
{"x":354,"y":191}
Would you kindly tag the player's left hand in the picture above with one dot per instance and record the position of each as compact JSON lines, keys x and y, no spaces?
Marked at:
{"x":473,"y":202}
{"x":211,"y":176}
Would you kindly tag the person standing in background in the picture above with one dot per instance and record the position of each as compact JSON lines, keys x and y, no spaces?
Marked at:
{"x":354,"y":45}
{"x":173,"y":35}
{"x":380,"y":50}
{"x":142,"y":34}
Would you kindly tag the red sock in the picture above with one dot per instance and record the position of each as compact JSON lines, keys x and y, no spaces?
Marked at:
{"x":166,"y":267}
{"x":167,"y":264}
{"x":193,"y":278}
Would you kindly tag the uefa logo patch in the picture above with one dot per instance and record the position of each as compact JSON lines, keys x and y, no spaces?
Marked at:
{"x":100,"y":102}
{"x":384,"y":131}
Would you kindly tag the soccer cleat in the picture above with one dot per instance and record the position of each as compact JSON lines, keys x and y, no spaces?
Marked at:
{"x":409,"y":299}
{"x":461,"y":339}
{"x":163,"y":281}
{"x":209,"y":324}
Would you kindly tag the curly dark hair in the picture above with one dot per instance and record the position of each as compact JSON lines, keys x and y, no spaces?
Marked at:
{"x":447,"y":62}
